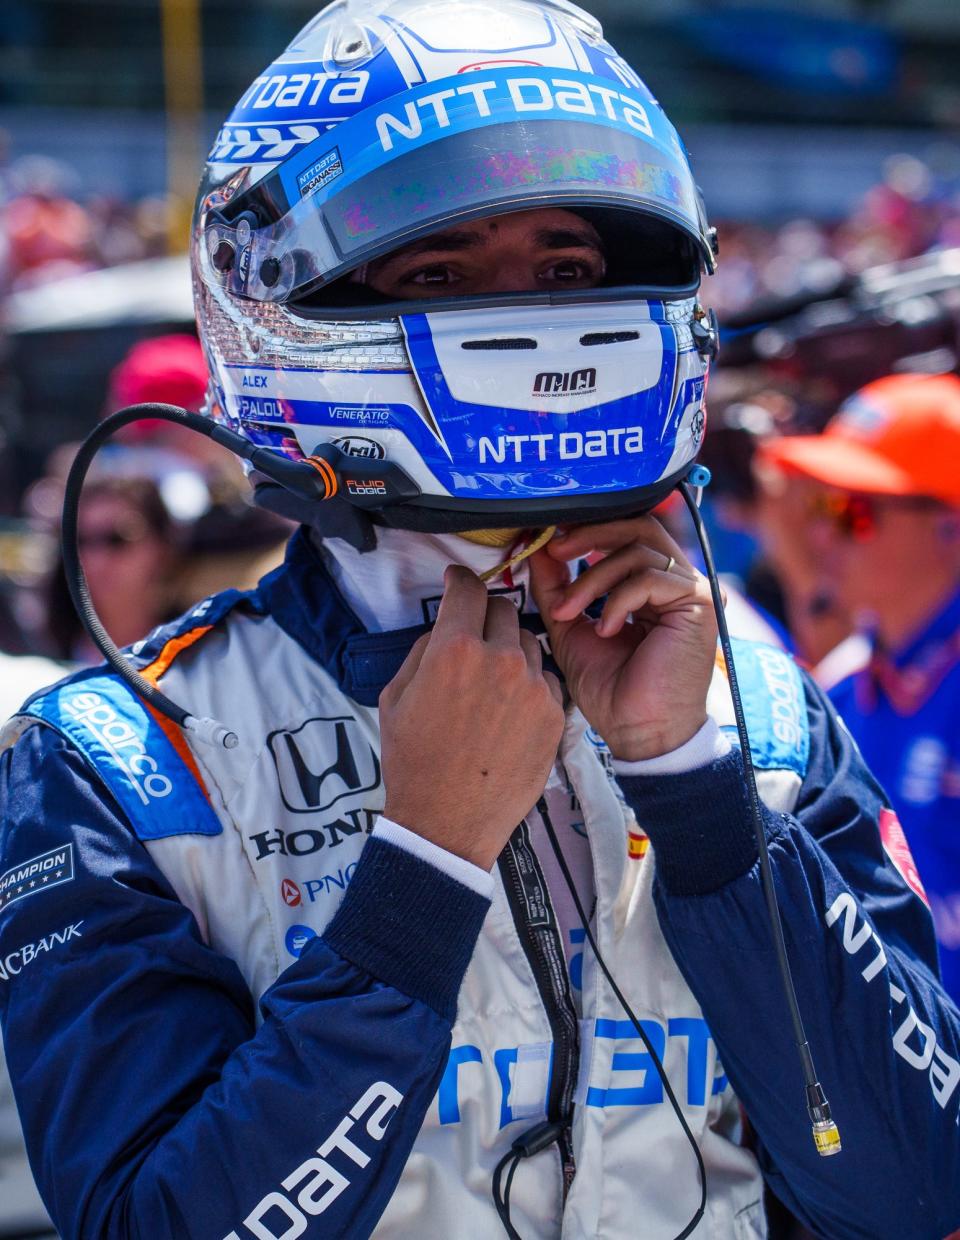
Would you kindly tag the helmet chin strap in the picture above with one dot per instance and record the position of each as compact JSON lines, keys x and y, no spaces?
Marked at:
{"x":491,"y":538}
{"x":504,"y":538}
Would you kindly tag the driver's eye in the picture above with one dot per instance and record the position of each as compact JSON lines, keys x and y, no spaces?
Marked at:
{"x":437,"y":274}
{"x":569,"y":270}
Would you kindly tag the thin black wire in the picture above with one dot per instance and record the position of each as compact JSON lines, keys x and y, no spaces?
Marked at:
{"x":661,"y":1071}
{"x":72,"y":566}
{"x":506,"y":1191}
{"x":766,"y":873}
{"x":502,"y":1200}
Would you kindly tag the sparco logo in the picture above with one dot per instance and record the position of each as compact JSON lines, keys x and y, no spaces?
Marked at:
{"x":323,"y":761}
{"x":320,"y":1180}
{"x":564,"y":382}
{"x":359,"y":445}
{"x":125,"y":747}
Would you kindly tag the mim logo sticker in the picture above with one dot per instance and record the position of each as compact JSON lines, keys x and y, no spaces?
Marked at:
{"x":323,"y":761}
{"x":563,"y":382}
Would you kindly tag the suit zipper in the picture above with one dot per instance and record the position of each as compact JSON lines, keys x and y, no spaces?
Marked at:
{"x":539,"y":934}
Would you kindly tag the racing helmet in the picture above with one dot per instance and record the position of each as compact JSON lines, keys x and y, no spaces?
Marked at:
{"x":385,"y":121}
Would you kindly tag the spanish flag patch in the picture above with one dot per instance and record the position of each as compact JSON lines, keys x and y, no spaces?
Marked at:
{"x":637,"y":845}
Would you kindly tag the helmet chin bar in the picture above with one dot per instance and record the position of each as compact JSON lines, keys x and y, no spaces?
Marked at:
{"x":357,"y":526}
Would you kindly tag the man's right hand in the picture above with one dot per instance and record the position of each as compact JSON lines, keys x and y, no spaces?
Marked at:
{"x":470,"y":725}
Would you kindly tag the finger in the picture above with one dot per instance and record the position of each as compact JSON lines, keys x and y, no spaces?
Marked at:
{"x":548,"y":581}
{"x":502,"y":622}
{"x":554,"y":686}
{"x":582,"y":539}
{"x":408,"y":669}
{"x":533,"y":651}
{"x":603,"y":576}
{"x":463,"y":607}
{"x":657,"y":591}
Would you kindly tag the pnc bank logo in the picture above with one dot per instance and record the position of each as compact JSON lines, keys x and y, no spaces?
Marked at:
{"x":565,"y":382}
{"x":323,"y":761}
{"x":290,"y":893}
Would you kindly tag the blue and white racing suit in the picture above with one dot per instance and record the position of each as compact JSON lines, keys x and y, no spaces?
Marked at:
{"x":232,"y":1012}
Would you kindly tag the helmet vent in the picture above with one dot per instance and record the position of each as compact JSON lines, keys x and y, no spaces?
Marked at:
{"x":504,"y":342}
{"x":608,"y":337}
{"x":352,"y":45}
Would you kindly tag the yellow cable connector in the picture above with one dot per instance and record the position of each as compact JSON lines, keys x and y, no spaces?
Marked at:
{"x":826,"y":1137}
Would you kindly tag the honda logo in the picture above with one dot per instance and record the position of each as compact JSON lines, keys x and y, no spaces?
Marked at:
{"x":323,"y":761}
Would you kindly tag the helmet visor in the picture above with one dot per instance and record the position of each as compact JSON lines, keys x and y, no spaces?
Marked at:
{"x":472,"y":145}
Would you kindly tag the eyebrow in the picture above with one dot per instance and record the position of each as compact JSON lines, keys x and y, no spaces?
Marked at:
{"x":567,"y":238}
{"x":460,"y":239}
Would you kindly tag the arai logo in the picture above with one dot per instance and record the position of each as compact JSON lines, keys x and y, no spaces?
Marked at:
{"x":359,"y":445}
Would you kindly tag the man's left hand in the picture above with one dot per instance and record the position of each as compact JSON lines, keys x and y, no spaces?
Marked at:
{"x":640,"y":674}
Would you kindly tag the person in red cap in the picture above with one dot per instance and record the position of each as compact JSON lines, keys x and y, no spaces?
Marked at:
{"x":171,"y":370}
{"x":228,"y":541}
{"x":889,"y":529}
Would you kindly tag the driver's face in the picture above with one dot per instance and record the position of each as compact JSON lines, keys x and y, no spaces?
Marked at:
{"x":545,"y":250}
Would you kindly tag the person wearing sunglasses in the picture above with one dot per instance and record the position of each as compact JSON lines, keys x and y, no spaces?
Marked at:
{"x":130,"y":552}
{"x":887,"y":526}
{"x":439,"y":948}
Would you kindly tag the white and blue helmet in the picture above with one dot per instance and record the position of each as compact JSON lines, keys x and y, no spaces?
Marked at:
{"x":387,"y":120}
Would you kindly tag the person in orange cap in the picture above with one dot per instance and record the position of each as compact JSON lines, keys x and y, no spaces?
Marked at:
{"x":889,"y":529}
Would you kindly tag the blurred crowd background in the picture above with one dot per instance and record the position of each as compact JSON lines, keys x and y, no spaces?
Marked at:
{"x":826,"y":136}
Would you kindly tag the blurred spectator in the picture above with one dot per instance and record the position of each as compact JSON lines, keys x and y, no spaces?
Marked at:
{"x":887,"y":516}
{"x":130,"y":558}
{"x":49,"y":233}
{"x":166,"y":516}
{"x":815,"y":615}
{"x":228,"y":542}
{"x":169,"y":370}
{"x":757,"y":516}
{"x":912,"y":211}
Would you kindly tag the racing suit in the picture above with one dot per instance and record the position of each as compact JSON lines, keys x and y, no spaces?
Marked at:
{"x":902,"y":711}
{"x":238,"y":1006}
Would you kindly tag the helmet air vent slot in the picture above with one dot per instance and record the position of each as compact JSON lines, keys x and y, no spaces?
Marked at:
{"x":592,"y":338}
{"x":503,"y":342}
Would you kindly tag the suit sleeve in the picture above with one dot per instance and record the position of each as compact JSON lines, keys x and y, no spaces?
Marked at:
{"x":156,"y":1103}
{"x":884,"y":1035}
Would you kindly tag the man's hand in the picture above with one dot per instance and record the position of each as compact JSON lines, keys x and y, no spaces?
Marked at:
{"x":640,"y":674}
{"x":470,"y":725}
